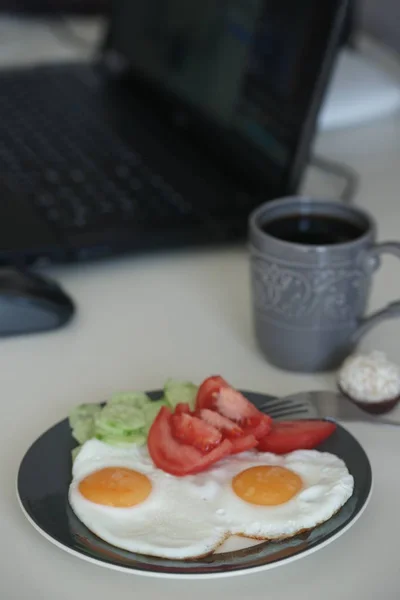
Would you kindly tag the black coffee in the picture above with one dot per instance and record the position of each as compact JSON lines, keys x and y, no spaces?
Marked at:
{"x":313,"y":230}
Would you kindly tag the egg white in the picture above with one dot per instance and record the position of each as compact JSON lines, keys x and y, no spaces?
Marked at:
{"x":188,"y":517}
{"x":175,"y":521}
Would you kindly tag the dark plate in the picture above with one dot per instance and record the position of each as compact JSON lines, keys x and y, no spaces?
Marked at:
{"x":45,"y":474}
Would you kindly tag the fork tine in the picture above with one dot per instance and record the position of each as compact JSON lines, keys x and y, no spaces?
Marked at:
{"x":277,"y":402}
{"x":277,"y":406}
{"x":287,"y":410}
{"x":292,"y":405}
{"x":292,"y":414}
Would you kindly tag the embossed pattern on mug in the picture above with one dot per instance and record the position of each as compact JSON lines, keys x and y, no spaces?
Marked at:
{"x":298,"y":296}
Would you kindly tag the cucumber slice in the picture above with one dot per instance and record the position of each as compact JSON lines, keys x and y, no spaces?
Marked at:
{"x":133,"y":399}
{"x":128,"y":416}
{"x":81,"y":421}
{"x":139,"y":438}
{"x":83,"y":411}
{"x":151,"y":410}
{"x":119,"y":420}
{"x":180,"y":391}
{"x":83,"y":430}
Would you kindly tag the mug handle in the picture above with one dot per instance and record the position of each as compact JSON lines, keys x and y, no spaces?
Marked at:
{"x":390,"y":311}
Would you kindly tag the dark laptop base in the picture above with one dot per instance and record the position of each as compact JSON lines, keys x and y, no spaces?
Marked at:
{"x":87,"y":171}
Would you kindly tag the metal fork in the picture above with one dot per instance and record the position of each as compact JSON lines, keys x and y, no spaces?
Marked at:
{"x":312,"y":405}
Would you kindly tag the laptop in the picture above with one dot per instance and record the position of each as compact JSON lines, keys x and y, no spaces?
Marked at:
{"x":193,"y":114}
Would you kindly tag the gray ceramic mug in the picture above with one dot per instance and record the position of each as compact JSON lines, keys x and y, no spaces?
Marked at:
{"x":309,"y":301}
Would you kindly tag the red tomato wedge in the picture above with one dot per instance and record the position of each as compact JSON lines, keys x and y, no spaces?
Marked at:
{"x":287,"y":436}
{"x":247,"y":442}
{"x":227,"y":427}
{"x":240,"y":440}
{"x":208,"y":391}
{"x":182,"y":408}
{"x":195,"y":432}
{"x":217,"y":395}
{"x":176,"y":458}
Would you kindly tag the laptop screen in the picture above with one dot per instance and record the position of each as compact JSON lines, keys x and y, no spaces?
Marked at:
{"x":245,"y":70}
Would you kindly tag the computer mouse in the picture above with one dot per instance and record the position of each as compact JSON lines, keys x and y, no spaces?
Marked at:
{"x":30,"y":303}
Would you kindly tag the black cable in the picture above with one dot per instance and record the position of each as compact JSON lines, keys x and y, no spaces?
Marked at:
{"x":342,"y":171}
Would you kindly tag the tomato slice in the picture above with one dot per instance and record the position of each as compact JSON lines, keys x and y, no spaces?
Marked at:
{"x":230,"y":429}
{"x":217,"y":395}
{"x":208,"y":392}
{"x":240,"y":440}
{"x":194,"y":431}
{"x":258,"y":426}
{"x":176,"y":458}
{"x":182,"y":407}
{"x":247,"y":442}
{"x":287,"y":436}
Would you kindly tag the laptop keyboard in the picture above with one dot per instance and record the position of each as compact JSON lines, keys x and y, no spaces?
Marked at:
{"x":79,"y":173}
{"x":70,"y":199}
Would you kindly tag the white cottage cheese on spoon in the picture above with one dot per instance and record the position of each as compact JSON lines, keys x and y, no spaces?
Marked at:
{"x":370,"y":378}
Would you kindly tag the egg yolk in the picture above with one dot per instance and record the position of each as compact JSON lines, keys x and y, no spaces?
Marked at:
{"x":266,"y":485}
{"x":116,"y":486}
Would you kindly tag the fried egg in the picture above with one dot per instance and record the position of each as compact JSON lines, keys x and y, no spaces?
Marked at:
{"x":268,"y":497}
{"x":121,"y":496}
{"x":125,"y":500}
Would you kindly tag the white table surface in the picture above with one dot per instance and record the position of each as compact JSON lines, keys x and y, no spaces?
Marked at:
{"x":143,"y":319}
